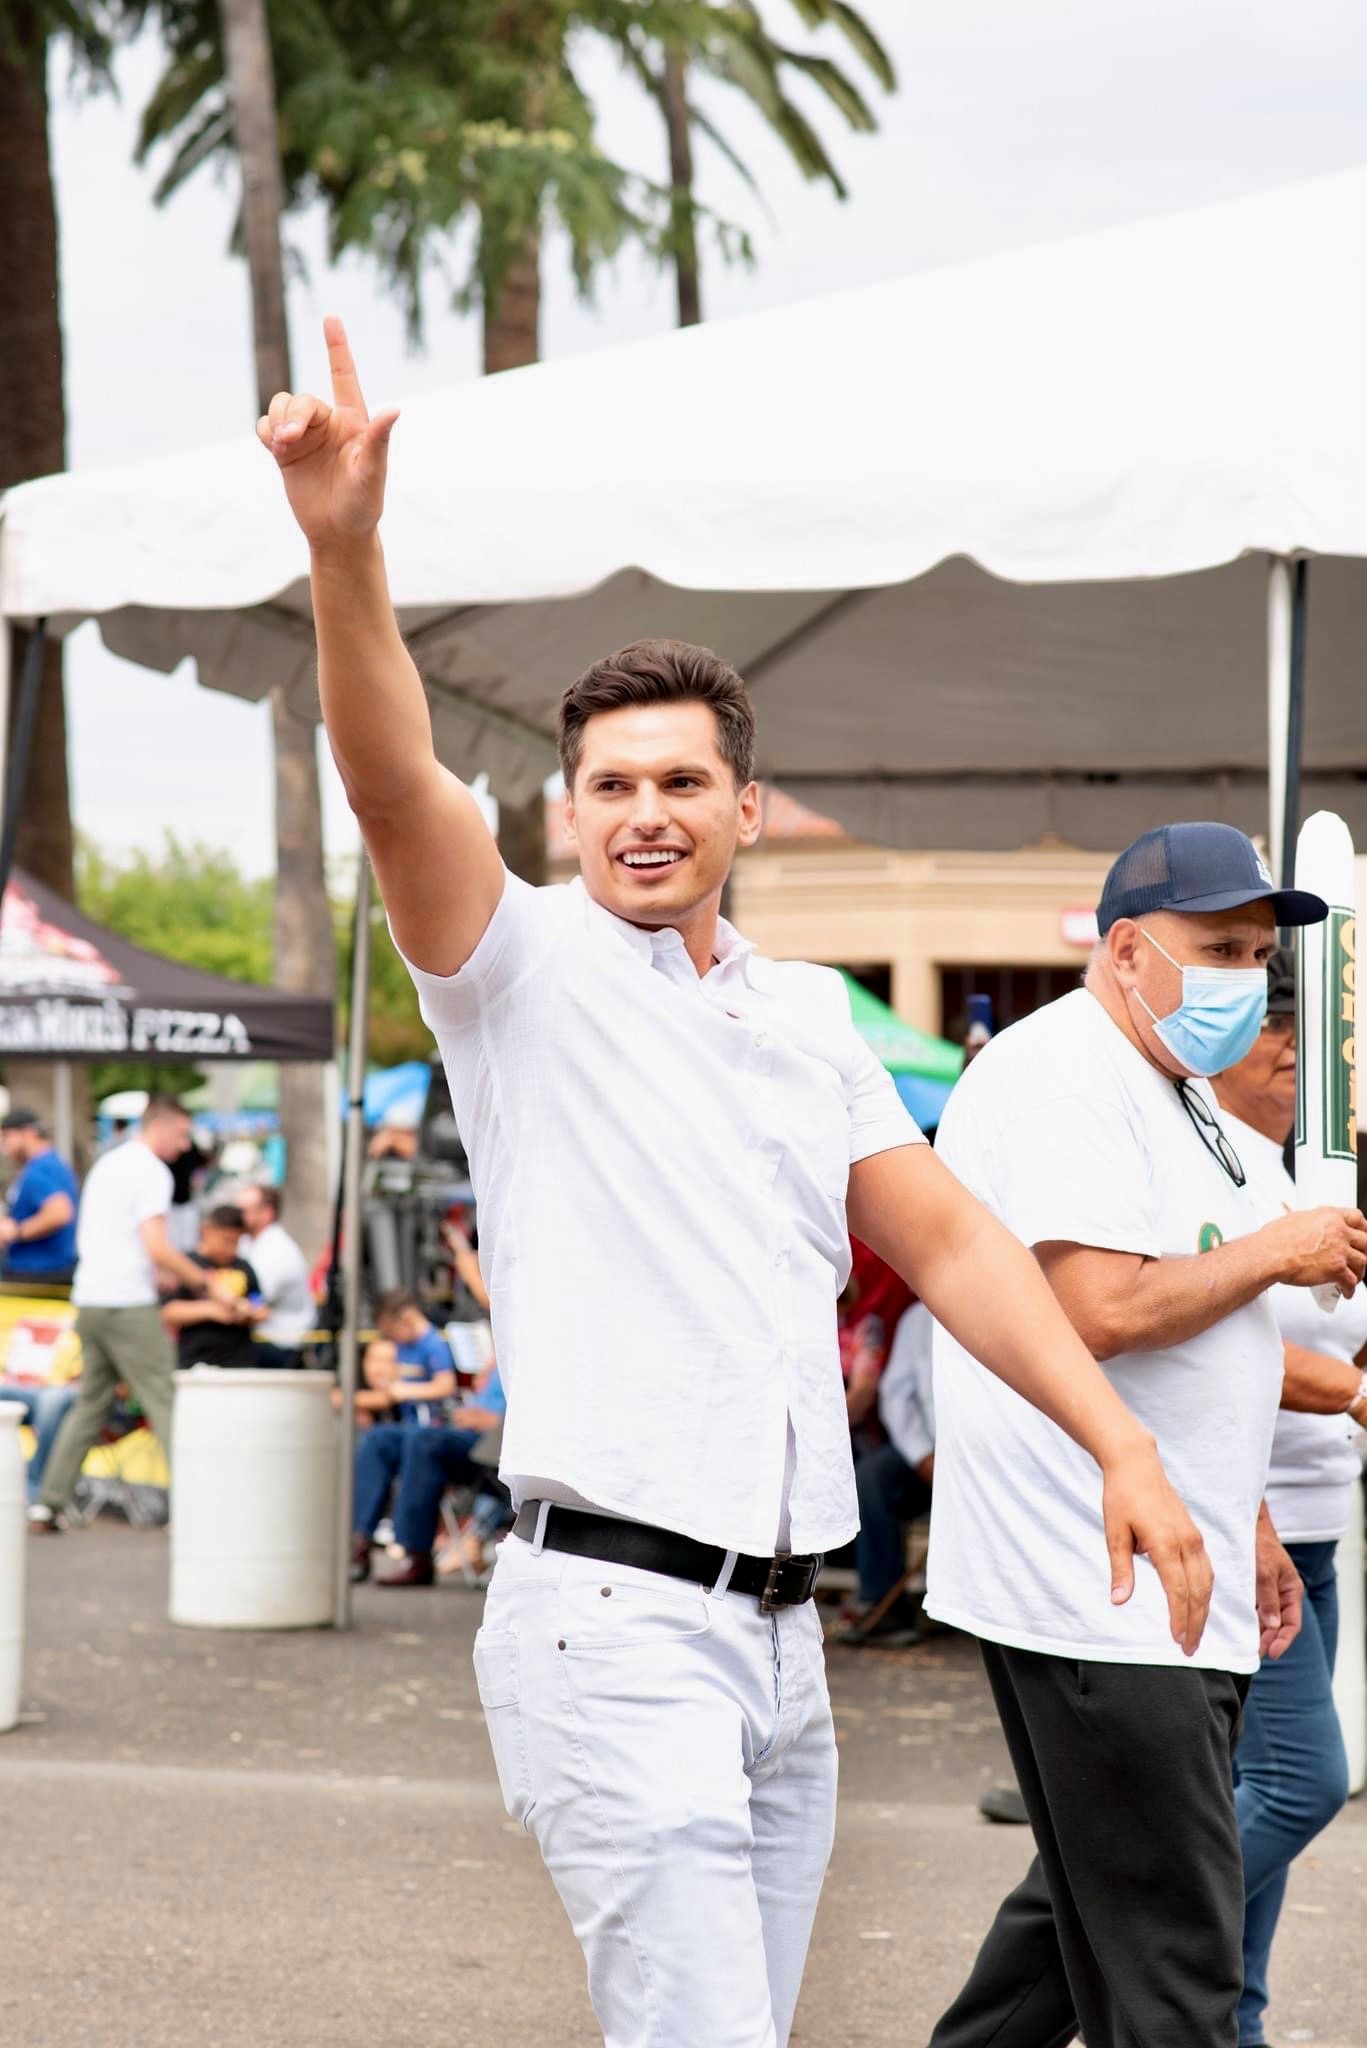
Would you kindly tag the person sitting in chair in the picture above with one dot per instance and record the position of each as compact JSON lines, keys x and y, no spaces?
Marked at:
{"x":434,"y":1459}
{"x":409,"y":1377}
{"x":216,"y":1328}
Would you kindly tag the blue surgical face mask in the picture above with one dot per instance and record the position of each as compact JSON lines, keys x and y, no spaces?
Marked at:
{"x":1218,"y":1018}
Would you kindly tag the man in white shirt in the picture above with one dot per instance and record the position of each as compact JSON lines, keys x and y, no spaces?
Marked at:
{"x":664,"y":1131}
{"x":1291,"y":1765}
{"x":1089,"y":1130}
{"x":282,"y":1269}
{"x":121,"y":1246}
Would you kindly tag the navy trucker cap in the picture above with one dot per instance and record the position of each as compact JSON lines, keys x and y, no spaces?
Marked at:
{"x":1192,"y":867}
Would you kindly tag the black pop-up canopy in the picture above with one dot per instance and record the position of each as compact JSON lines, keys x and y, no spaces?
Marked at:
{"x":69,"y":990}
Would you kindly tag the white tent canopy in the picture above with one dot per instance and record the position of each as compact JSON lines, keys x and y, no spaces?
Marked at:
{"x":989,"y":541}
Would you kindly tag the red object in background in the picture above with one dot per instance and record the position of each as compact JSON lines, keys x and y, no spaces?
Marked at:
{"x":872,"y":1305}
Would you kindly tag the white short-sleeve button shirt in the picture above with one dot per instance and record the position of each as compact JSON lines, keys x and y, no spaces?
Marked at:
{"x":661,"y":1162}
{"x":1067,"y":1133}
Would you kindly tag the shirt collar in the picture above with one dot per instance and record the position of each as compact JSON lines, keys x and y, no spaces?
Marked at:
{"x":733,"y":952}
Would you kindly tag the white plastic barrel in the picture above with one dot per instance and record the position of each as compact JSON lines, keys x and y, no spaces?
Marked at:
{"x":13,"y":1534}
{"x":1350,"y":1668}
{"x":254,"y":1478}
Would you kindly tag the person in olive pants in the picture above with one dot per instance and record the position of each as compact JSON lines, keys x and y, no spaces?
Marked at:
{"x":127,"y":1346}
{"x":122,"y":1247}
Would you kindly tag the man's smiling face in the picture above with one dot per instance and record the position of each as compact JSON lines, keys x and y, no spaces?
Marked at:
{"x":655,"y":813}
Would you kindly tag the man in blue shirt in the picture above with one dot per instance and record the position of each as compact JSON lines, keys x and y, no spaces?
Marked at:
{"x":39,"y":1233}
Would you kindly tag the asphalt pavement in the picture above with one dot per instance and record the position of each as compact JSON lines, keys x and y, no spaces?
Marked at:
{"x":295,"y":1840}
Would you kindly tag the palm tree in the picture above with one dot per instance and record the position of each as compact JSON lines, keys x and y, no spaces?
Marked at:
{"x":305,"y":955}
{"x":727,"y":40}
{"x":407,"y":125}
{"x":33,"y":415}
{"x":405,"y":130}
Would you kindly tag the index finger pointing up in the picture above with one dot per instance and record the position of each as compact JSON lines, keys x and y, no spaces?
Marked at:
{"x":346,"y":388}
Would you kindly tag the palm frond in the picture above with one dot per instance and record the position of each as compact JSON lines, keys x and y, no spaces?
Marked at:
{"x":839,"y":89}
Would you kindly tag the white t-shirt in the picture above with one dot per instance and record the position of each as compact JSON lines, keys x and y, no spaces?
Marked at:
{"x":1068,"y":1134}
{"x":283,"y":1271}
{"x":906,"y":1397}
{"x":661,"y":1163}
{"x":123,"y":1190}
{"x":1314,"y":1457}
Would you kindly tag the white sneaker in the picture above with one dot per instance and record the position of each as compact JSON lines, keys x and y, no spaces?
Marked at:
{"x":45,"y":1521}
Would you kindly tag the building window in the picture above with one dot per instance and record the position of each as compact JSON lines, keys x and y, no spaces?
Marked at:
{"x":1015,"y":992}
{"x":875,"y":976}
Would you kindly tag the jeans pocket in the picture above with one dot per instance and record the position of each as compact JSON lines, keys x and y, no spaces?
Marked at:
{"x":496,"y":1675}
{"x":611,"y":1611}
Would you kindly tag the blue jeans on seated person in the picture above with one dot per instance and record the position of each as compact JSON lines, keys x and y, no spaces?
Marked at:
{"x":45,"y":1410}
{"x":891,"y":1494}
{"x":433,"y":1459}
{"x":1291,"y":1774}
{"x":379,"y":1455}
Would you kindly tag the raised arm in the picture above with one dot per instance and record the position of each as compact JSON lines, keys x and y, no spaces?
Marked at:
{"x":987,"y":1290}
{"x":438,"y":867}
{"x":164,"y":1255}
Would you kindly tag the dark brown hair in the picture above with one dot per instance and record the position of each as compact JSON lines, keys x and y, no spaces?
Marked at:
{"x":226,"y":1217}
{"x":393,"y":1302}
{"x":662,"y":672}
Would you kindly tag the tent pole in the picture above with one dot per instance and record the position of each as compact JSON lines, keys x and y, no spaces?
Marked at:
{"x":1278,"y":701}
{"x":1295,"y":727}
{"x":21,"y":746}
{"x":6,"y":649}
{"x":63,"y":1132}
{"x":348,"y":1360}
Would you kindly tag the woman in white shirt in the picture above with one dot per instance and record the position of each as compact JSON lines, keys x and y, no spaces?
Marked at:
{"x":1292,"y":1773}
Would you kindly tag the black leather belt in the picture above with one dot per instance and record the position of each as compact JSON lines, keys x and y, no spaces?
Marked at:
{"x":780,"y":1581}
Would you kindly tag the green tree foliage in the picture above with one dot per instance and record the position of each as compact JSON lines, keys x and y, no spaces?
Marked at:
{"x":411,"y":119}
{"x":192,"y":903}
{"x":729,"y":40}
{"x":397,"y":1032}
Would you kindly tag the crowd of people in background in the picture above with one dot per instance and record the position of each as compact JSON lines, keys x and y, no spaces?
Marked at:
{"x":168,"y":1269}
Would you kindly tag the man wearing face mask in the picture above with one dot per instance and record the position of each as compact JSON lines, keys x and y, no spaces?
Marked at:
{"x":1091,"y":1131}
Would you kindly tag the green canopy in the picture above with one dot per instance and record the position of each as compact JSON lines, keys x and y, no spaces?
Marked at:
{"x":901,"y":1047}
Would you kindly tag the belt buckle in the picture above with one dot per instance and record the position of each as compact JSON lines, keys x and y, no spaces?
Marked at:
{"x":774,"y":1596}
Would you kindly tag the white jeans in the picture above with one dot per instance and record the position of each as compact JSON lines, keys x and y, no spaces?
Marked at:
{"x":673,"y":1755}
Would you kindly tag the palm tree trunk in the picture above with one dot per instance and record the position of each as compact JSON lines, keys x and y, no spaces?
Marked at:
{"x":33,"y":443}
{"x":305,"y":956}
{"x":512,"y":312}
{"x":33,"y":415}
{"x":512,"y":340}
{"x":678,"y":124}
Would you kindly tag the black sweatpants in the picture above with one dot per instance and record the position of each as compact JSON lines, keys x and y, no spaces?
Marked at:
{"x":1128,"y":1926}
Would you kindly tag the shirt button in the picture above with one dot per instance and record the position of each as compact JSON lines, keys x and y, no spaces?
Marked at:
{"x":761,"y":1040}
{"x":780,"y":1258}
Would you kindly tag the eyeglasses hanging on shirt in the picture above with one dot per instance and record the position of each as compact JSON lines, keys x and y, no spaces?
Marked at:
{"x":1209,"y":1131}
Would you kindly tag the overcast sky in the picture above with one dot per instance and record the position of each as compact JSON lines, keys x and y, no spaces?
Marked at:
{"x":1016,"y":121}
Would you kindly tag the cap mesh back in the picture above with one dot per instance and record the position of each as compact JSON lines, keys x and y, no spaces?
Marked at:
{"x":1140,"y":880}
